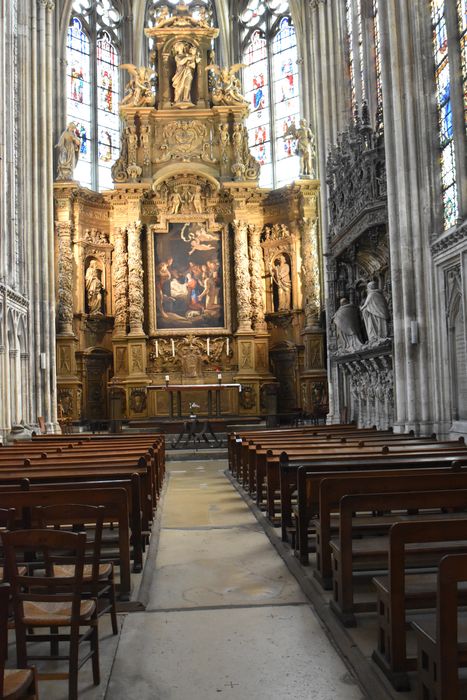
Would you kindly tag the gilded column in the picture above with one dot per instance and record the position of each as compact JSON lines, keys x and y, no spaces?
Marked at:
{"x":135,"y":279}
{"x":256,"y":278}
{"x":242,"y":277}
{"x":311,"y":287}
{"x":120,"y":282}
{"x":65,"y":279}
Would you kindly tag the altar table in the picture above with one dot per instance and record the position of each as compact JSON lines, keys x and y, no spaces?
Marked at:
{"x":177,"y":389}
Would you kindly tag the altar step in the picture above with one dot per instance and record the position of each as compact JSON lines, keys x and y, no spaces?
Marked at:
{"x":192,"y":455}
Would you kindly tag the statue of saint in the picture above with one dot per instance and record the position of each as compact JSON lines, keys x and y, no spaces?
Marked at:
{"x":375,"y":312}
{"x":305,"y":146}
{"x":68,"y":152}
{"x":347,"y":322}
{"x":94,"y":289}
{"x":186,"y":59}
{"x":281,"y":276}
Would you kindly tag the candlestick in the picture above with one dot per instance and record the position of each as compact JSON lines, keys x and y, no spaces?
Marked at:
{"x":228,"y":347}
{"x":207,"y":347}
{"x":157,"y":348}
{"x":173,"y":348}
{"x":167,"y":378}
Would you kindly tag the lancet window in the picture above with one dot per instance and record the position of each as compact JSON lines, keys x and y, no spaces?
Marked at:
{"x":271,"y":86}
{"x":363,"y":55}
{"x":93,"y":88}
{"x":445,"y":113}
{"x":462,"y":21}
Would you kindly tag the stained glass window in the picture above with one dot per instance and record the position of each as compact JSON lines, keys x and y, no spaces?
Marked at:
{"x":93,"y":90}
{"x":462,"y":19}
{"x":377,"y":48}
{"x":270,"y":82}
{"x":445,"y":122}
{"x":351,"y":60}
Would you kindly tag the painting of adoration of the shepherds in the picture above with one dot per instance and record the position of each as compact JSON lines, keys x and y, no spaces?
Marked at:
{"x":189,"y":284}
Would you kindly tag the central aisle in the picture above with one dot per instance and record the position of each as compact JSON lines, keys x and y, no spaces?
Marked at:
{"x":224,"y":616}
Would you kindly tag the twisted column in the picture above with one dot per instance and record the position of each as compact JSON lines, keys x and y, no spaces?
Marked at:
{"x":242,"y":276}
{"x":135,"y":279}
{"x":65,"y":279}
{"x":256,"y":278}
{"x":311,"y":285}
{"x":120,"y":282}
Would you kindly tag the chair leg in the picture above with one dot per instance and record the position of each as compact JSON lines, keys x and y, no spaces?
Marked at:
{"x":21,"y":648}
{"x":96,"y":673}
{"x":113,"y":609}
{"x":73,"y":670}
{"x":54,"y":645}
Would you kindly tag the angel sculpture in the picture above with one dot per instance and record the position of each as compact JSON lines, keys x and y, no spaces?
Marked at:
{"x":138,"y":88}
{"x":227,"y":88}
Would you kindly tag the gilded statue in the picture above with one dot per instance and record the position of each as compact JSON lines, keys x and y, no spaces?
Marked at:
{"x":94,"y":289}
{"x":227,"y":88}
{"x":281,"y":277}
{"x":138,"y":88}
{"x":186,"y":58}
{"x":68,"y":152}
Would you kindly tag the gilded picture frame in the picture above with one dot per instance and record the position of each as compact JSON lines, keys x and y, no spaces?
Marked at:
{"x":191,"y":279}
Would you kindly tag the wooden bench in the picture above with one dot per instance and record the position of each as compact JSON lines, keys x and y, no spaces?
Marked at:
{"x":442,"y":638}
{"x":401,"y":591}
{"x":371,"y":553}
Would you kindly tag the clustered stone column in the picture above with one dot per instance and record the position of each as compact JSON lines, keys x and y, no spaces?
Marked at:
{"x":310,"y":272}
{"x":256,"y":278}
{"x":120,"y":282}
{"x":135,"y":279}
{"x":242,"y":276}
{"x":65,"y":279}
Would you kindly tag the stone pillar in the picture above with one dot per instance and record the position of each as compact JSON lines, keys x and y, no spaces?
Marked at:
{"x":242,"y":277}
{"x":256,"y":279}
{"x":120,"y":282}
{"x":65,"y":279}
{"x":135,"y":279}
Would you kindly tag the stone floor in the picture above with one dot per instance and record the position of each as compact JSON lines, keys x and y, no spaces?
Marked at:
{"x":224,"y":616}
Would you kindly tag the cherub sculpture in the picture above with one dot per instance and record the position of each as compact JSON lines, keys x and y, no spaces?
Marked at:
{"x":138,"y":88}
{"x":226,"y":89}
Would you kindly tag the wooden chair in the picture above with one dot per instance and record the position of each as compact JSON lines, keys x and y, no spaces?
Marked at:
{"x":442,"y":638}
{"x":49,"y":600}
{"x":14,"y":682}
{"x":98,"y":578}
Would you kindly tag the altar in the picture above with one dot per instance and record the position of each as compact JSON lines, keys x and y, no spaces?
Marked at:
{"x":176,"y":391}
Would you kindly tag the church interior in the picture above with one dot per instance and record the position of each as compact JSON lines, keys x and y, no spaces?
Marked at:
{"x":233,"y":265}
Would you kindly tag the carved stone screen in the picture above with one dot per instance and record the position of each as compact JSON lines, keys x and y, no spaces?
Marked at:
{"x":189,"y":277}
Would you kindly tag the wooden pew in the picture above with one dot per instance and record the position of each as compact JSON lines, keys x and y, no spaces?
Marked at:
{"x":333,"y":487}
{"x":399,"y":591}
{"x":282,"y":470}
{"x":372,"y":553}
{"x":442,"y":638}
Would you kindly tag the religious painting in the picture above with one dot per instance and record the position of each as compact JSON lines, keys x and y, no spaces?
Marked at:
{"x":189,"y":277}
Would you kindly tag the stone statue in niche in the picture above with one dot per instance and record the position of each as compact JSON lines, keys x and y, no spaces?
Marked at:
{"x":280,"y":272}
{"x":375,"y":313}
{"x":68,"y":152}
{"x":186,"y":59}
{"x":94,"y":289}
{"x":347,"y":322}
